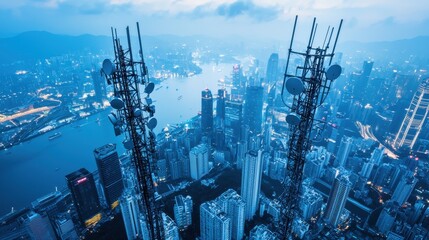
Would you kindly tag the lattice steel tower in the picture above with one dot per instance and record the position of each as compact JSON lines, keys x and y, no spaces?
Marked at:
{"x":135,"y":118}
{"x":309,"y":86}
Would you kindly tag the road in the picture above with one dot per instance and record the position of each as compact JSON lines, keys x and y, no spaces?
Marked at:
{"x":4,"y":118}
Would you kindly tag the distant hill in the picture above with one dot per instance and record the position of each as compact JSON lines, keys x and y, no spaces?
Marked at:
{"x":418,"y":47}
{"x":38,"y":44}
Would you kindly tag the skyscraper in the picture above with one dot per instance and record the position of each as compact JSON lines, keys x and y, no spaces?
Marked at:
{"x":337,"y":199}
{"x":361,"y":80}
{"x":377,"y":155}
{"x":343,"y":151}
{"x":214,"y":223}
{"x":251,"y":182}
{"x":414,"y":119}
{"x":404,"y":189}
{"x":39,"y":227}
{"x":206,"y":111}
{"x":130,"y":214}
{"x":99,"y":86}
{"x":233,"y":120}
{"x":84,"y":193}
{"x":110,"y":173}
{"x":233,"y":205}
{"x":220,"y":103}
{"x":311,"y":203}
{"x":171,"y":232}
{"x":183,"y":211}
{"x":253,"y":108}
{"x":272,"y":68}
{"x":199,"y":161}
{"x":387,"y":217}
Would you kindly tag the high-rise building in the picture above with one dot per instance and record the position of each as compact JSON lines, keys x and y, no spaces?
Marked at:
{"x":414,"y":119}
{"x":337,"y":199}
{"x":367,"y":169}
{"x":84,"y":192}
{"x":253,"y":108}
{"x":64,"y":227}
{"x":404,"y":189}
{"x":130,"y":214}
{"x":251,"y":182}
{"x":206,"y":111}
{"x":99,"y":86}
{"x":261,"y":232}
{"x":272,"y":68}
{"x":233,"y":205}
{"x":199,"y":161}
{"x":311,"y":203}
{"x":377,"y":155}
{"x":387,"y":217}
{"x":183,"y":211}
{"x":220,"y":103}
{"x":343,"y":151}
{"x":171,"y":232}
{"x":238,"y":82}
{"x":39,"y":227}
{"x":233,"y":121}
{"x":214,"y":222}
{"x":110,"y":173}
{"x":361,"y":80}
{"x":277,"y":168}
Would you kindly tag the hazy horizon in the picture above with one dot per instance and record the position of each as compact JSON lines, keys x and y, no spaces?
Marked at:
{"x":364,"y":21}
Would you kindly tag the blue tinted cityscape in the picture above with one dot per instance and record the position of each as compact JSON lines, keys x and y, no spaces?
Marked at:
{"x":214,"y":120}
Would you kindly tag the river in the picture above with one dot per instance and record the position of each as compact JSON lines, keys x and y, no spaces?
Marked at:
{"x":34,"y":168}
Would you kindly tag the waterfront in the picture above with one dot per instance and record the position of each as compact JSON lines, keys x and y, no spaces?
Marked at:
{"x":33,"y":169}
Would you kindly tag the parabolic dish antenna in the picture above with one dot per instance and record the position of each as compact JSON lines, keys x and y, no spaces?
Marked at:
{"x":113,"y":119}
{"x":137,"y":112}
{"x":128,"y":144}
{"x":333,"y":72}
{"x":293,"y":119}
{"x":152,"y":123}
{"x":148,"y":101}
{"x":117,"y":103}
{"x":108,"y":67}
{"x":294,"y":85}
{"x":149,"y":88}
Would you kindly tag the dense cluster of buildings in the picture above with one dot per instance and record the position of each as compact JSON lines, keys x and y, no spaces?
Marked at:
{"x":364,"y":177}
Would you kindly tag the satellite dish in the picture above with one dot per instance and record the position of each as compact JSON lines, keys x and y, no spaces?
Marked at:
{"x":148,"y":101}
{"x":152,"y":123}
{"x":294,"y":85}
{"x":128,"y":144}
{"x":113,"y":119}
{"x":293,"y":119}
{"x":137,"y":112}
{"x":117,"y":103}
{"x":149,"y":88}
{"x":108,"y":67}
{"x":333,"y":72}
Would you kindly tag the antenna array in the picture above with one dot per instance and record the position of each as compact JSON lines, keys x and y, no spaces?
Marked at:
{"x":309,"y":86}
{"x":135,"y":118}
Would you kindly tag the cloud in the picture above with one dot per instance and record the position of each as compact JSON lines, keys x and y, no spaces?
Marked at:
{"x":236,"y":9}
{"x":249,"y":9}
{"x":387,"y":22}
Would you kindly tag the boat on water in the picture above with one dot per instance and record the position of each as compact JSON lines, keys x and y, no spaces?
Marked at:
{"x":54,"y":136}
{"x":180,"y":97}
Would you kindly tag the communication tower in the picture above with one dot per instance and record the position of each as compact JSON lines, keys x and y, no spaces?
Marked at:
{"x":308,"y":86}
{"x":135,"y":118}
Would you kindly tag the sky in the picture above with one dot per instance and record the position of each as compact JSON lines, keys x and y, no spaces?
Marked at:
{"x":364,"y":20}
